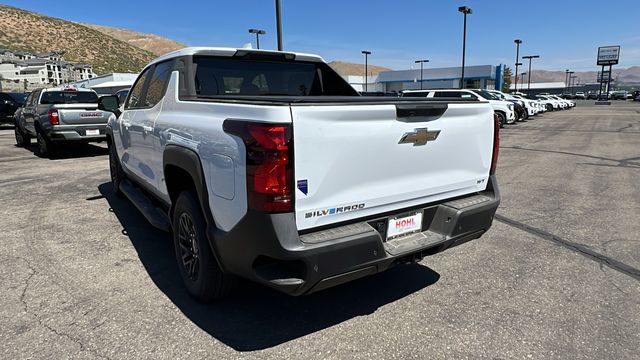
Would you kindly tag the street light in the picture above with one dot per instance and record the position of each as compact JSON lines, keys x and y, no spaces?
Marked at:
{"x":571,"y":82}
{"x":258,"y":32}
{"x":529,"y":75}
{"x":366,"y":54}
{"x":566,"y":80}
{"x":421,"y":63}
{"x":517,"y":42}
{"x":466,"y":11}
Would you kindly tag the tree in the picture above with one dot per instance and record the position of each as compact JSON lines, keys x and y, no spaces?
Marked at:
{"x":506,"y":84}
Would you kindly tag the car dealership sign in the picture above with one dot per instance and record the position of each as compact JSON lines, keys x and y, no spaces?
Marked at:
{"x":608,"y":55}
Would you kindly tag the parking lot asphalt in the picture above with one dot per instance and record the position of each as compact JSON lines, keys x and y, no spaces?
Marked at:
{"x":82,"y":275}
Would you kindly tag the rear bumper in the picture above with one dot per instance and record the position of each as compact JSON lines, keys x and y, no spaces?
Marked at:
{"x":77,"y":132}
{"x":267,"y":248}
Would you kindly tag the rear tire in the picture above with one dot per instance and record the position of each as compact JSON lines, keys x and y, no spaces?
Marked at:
{"x":46,"y":148}
{"x":198,"y":268}
{"x":22,"y":139}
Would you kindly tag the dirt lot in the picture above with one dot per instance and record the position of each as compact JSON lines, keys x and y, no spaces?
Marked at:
{"x":82,"y":275}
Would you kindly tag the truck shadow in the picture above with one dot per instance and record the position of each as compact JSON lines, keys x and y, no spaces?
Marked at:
{"x":74,"y":151}
{"x":256,"y":317}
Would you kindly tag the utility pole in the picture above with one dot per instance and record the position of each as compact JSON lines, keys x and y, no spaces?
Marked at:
{"x":466,"y":11}
{"x":279,"y":25}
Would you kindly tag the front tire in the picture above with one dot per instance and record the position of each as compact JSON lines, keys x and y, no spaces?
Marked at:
{"x":502,"y":118}
{"x":22,"y":139}
{"x":115,"y":169}
{"x":198,"y":268}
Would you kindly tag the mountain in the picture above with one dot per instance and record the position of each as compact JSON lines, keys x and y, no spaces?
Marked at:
{"x":629,"y":75}
{"x":155,"y":44}
{"x":346,"y":68}
{"x":28,"y":31}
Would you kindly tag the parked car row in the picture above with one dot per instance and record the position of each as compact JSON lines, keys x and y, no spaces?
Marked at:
{"x":509,"y":108}
{"x":596,"y":95}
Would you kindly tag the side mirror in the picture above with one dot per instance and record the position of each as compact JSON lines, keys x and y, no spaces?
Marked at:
{"x":109,"y":103}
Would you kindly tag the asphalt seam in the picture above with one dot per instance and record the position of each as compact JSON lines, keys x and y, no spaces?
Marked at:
{"x":578,"y":248}
{"x":41,"y":322}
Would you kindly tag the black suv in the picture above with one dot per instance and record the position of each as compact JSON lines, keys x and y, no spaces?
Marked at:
{"x":9,"y":103}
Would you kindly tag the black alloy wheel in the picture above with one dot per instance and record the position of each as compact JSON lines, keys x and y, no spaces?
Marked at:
{"x":189,"y":248}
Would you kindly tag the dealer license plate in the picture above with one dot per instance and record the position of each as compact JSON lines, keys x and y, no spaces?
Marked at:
{"x":93,"y":132}
{"x":404,"y":225}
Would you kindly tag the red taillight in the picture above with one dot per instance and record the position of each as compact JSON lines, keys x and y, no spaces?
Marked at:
{"x":53,"y":117}
{"x":269,"y":164}
{"x":496,"y":144}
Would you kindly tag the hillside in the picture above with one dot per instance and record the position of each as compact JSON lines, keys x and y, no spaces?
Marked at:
{"x":29,"y":31}
{"x":629,"y":75}
{"x":155,"y":44}
{"x":345,"y":68}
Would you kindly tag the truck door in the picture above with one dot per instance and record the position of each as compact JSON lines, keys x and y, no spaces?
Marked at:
{"x":144,"y":139}
{"x":126,"y":132}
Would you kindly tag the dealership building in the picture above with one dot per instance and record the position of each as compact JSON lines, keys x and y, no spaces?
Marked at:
{"x":476,"y":77}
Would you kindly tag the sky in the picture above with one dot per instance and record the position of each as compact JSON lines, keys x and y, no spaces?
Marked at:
{"x":566,"y":34}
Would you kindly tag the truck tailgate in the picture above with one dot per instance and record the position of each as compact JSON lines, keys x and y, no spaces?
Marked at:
{"x":81,"y":114}
{"x":351,"y":162}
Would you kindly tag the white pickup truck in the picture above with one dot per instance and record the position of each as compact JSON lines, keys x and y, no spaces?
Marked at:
{"x":269,"y":166}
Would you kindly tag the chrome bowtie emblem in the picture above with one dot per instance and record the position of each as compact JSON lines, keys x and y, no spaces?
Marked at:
{"x":419,"y":137}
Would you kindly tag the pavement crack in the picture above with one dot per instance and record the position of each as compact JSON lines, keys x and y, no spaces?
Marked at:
{"x":578,"y":248}
{"x":33,"y":272}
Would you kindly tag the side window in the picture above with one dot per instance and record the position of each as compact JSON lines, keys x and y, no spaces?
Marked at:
{"x":447,"y":94}
{"x":158,"y":83}
{"x":34,"y":98}
{"x":135,"y":95}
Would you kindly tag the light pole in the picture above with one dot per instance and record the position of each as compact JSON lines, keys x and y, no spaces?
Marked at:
{"x":258,"y":32}
{"x":279,"y":25}
{"x":517,"y":42}
{"x":366,"y":54}
{"x":421,"y":63}
{"x":566,"y":80}
{"x":466,"y":11}
{"x":529,"y":75}
{"x":571,"y":82}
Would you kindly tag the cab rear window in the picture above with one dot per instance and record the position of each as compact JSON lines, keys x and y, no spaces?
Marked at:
{"x":258,"y":77}
{"x":68,"y":97}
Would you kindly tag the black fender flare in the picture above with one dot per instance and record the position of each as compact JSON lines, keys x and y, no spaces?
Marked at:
{"x":187,"y":160}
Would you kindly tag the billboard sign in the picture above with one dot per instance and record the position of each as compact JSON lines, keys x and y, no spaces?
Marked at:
{"x":608,"y":55}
